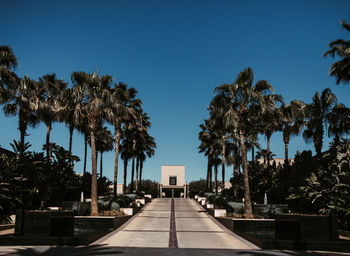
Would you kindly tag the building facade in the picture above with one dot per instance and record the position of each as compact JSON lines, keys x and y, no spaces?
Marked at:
{"x":173,"y":182}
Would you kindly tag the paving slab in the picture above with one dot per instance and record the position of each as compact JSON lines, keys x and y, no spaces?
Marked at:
{"x":200,"y":224}
{"x":147,"y":223}
{"x":212,"y":240}
{"x":138,"y":239}
{"x":155,"y":214}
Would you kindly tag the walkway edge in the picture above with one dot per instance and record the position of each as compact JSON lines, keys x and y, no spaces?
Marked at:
{"x":246,"y":242}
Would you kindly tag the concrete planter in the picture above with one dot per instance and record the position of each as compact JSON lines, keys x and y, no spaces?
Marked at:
{"x":148,"y":196}
{"x":195,"y":197}
{"x":200,"y":198}
{"x":220,"y":212}
{"x":210,"y":206}
{"x":44,"y":223}
{"x":204,"y":201}
{"x":61,"y":227}
{"x":140,"y":202}
{"x":90,"y":228}
{"x":127,"y":211}
{"x":303,"y":227}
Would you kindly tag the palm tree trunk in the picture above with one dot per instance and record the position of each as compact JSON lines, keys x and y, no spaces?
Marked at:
{"x":137,"y":174}
{"x":268,"y":149}
{"x":223,"y":163}
{"x":22,"y":128}
{"x":125,"y":174}
{"x":318,"y":139}
{"x":116,"y":156}
{"x":101,"y":165}
{"x":208,"y":175}
{"x":253,"y":154}
{"x":207,"y":181}
{"x":235,"y":160}
{"x":247,"y":199}
{"x":94,"y":204}
{"x":141,"y":166}
{"x":71,"y":130}
{"x":132,"y":174}
{"x":216,"y":178}
{"x":286,"y":162}
{"x":85,"y":151}
{"x":48,"y":130}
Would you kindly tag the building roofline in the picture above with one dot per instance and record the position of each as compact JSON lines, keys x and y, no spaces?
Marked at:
{"x":171,"y":165}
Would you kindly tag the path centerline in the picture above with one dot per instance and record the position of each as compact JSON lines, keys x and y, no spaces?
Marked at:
{"x":172,"y":232}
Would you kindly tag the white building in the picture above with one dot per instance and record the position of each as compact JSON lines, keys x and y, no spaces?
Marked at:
{"x":173,"y":181}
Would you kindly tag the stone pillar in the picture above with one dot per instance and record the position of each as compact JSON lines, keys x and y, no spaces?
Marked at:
{"x":185,"y":191}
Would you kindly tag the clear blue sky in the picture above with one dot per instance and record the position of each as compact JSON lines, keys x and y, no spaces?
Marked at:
{"x":175,"y":53}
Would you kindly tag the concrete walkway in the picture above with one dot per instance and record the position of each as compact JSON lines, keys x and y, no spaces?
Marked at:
{"x":188,"y":227}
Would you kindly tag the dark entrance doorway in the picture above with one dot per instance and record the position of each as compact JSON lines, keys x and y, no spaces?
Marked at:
{"x":169,"y":191}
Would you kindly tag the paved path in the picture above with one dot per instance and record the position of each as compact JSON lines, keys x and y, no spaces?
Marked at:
{"x":181,"y":225}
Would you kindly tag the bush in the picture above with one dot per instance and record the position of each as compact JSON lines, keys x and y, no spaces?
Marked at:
{"x":84,"y":209}
{"x":198,"y":187}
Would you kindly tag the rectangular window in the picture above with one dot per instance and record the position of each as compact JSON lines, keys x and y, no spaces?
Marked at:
{"x":172,"y":180}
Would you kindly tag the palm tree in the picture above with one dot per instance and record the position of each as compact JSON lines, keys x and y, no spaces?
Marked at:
{"x":8,"y":63}
{"x":341,"y":48}
{"x":270,"y":122}
{"x":218,"y":107}
{"x":104,"y":143}
{"x":120,"y":112}
{"x":24,"y":98}
{"x":339,"y":121}
{"x":207,"y":137}
{"x":147,"y":151}
{"x":51,"y":104}
{"x":97,"y":93}
{"x":292,"y":122}
{"x":74,"y":115}
{"x":125,"y":149}
{"x":246,"y":103}
{"x":136,"y":129}
{"x":318,"y":114}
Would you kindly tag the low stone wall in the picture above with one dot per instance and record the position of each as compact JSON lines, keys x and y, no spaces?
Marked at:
{"x":63,"y":227}
{"x":304,"y":227}
{"x":44,"y":223}
{"x":260,"y":228}
{"x":90,"y":228}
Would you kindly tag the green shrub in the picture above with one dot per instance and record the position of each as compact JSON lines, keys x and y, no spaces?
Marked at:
{"x":84,"y":209}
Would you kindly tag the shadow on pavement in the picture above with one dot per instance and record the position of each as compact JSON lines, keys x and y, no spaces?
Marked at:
{"x":102,"y":250}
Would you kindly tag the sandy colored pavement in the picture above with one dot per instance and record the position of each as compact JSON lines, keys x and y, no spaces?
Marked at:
{"x":194,"y":229}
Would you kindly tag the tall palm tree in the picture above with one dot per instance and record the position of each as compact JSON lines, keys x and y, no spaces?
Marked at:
{"x":51,"y":104}
{"x":147,"y":151}
{"x":97,"y":93}
{"x":339,"y":121}
{"x":121,"y":109}
{"x":24,"y":98}
{"x":318,"y":114}
{"x":246,"y":102}
{"x":218,"y":108}
{"x":270,"y":122}
{"x":104,"y":143}
{"x":340,"y":48}
{"x":126,"y":152}
{"x":208,"y":137}
{"x":73,"y":115}
{"x":292,"y":123}
{"x":8,"y":63}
